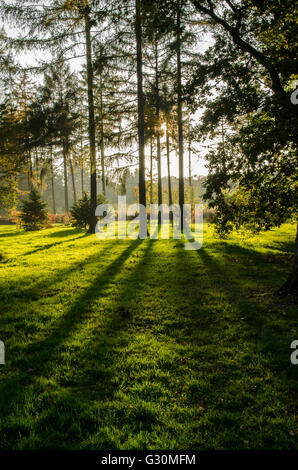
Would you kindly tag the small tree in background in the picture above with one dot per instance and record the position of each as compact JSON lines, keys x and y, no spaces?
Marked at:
{"x":81,"y":211}
{"x":34,"y":212}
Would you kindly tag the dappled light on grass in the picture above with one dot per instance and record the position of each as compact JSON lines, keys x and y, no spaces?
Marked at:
{"x":124,"y":344}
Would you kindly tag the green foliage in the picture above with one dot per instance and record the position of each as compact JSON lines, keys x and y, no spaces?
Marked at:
{"x":34,"y":213}
{"x":248,"y":113}
{"x":81,"y":211}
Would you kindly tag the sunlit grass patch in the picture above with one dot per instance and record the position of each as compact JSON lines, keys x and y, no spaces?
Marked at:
{"x":134,"y":344}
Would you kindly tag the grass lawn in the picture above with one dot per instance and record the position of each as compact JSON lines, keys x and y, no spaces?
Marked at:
{"x":140,"y":344}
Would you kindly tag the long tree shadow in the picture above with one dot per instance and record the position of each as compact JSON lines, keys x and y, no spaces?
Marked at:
{"x":65,"y":232}
{"x":11,"y":234}
{"x":34,"y":290}
{"x":228,"y":336}
{"x":253,"y":318}
{"x":87,"y":343}
{"x":51,"y":245}
{"x":92,"y":373}
{"x":101,"y":343}
{"x":41,"y":354}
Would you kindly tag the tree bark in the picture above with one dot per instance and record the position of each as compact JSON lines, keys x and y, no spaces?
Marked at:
{"x":179,"y":108}
{"x":65,"y":156}
{"x":91,"y":123}
{"x":82,"y":161}
{"x":157,"y":108}
{"x":141,"y":126}
{"x":52,"y":184}
{"x":102,"y":152}
{"x":82,"y":181}
{"x":151,"y":171}
{"x":168,"y":163}
{"x":189,"y":164}
{"x":189,"y":170}
{"x":30,"y":185}
{"x":73,"y":180}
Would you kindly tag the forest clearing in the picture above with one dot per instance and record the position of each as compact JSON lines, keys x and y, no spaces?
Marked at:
{"x":139,"y":344}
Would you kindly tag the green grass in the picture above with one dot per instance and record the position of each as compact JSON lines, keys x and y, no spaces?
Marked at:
{"x":126,"y":344}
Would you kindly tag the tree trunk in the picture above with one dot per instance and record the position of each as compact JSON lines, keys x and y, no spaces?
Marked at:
{"x":168,"y":163}
{"x":141,"y":126}
{"x":82,"y":181}
{"x":151,"y":171}
{"x":180,"y":122}
{"x":52,"y":184}
{"x":36,"y":160}
{"x":291,"y":284}
{"x":102,"y":153}
{"x":189,"y":164}
{"x":189,"y":171}
{"x":91,"y":123}
{"x":73,"y":180}
{"x":157,"y":107}
{"x":65,"y":155}
{"x":82,"y":161}
{"x":30,"y":185}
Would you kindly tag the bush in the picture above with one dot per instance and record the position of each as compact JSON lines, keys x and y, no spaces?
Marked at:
{"x":34,"y":213}
{"x":15,"y":216}
{"x":81,"y":211}
{"x":60,"y":218}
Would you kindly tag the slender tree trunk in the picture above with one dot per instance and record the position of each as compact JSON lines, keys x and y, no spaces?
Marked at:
{"x":82,"y":181}
{"x":189,"y":172}
{"x":30,"y":175}
{"x":151,"y":171}
{"x":291,"y":284}
{"x":73,"y":180}
{"x":168,"y":163}
{"x":102,"y":152}
{"x":53,"y":183}
{"x":141,"y":126}
{"x":36,"y":159}
{"x":157,"y":105}
{"x":65,"y":156}
{"x":91,"y":122}
{"x":180,"y":122}
{"x":30,"y":185}
{"x":189,"y":164}
{"x":82,"y":161}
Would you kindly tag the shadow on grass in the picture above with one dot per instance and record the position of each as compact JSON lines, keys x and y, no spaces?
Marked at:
{"x":30,"y":290}
{"x":12,"y":233}
{"x":42,"y":353}
{"x":51,"y":245}
{"x":66,"y":232}
{"x":200,"y":305}
{"x":93,"y":373}
{"x":242,"y":281}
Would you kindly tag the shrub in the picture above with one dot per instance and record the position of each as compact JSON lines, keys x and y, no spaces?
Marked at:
{"x":67,"y":218}
{"x":80,"y":212}
{"x":60,"y":218}
{"x":15,"y":216}
{"x":34,"y":214}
